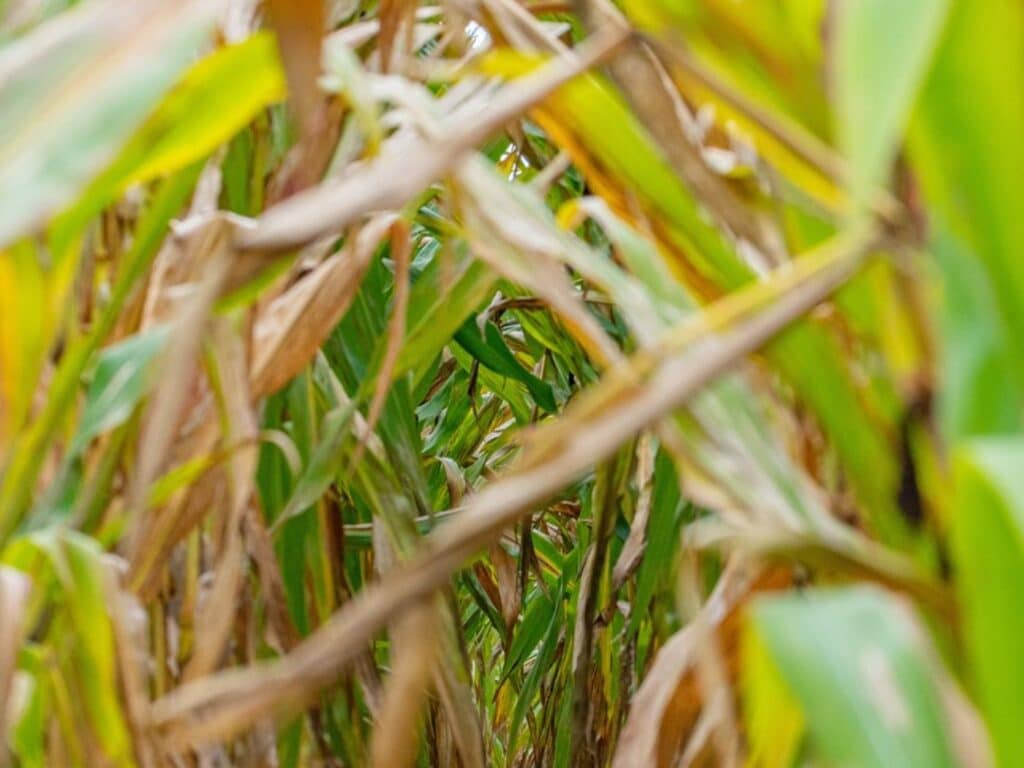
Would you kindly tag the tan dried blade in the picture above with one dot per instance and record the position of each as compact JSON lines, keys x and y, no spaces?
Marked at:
{"x":218,"y":612}
{"x":396,"y":735}
{"x":14,"y":593}
{"x":300,"y":26}
{"x":291,"y":330}
{"x":666,"y":709}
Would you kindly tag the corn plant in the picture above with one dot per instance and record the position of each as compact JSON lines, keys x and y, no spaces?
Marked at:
{"x":511,"y":382}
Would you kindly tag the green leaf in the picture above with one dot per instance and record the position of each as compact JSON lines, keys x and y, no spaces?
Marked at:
{"x":539,"y":614}
{"x":537,"y":628}
{"x":490,"y":350}
{"x":27,"y":735}
{"x":855,"y":662}
{"x":118,"y":385}
{"x":216,"y":98}
{"x":323,"y":464}
{"x":988,"y":550}
{"x":437,"y":310}
{"x":78,"y":570}
{"x":28,"y":325}
{"x":967,"y":154}
{"x":980,"y":393}
{"x":882,"y":50}
{"x":668,"y":513}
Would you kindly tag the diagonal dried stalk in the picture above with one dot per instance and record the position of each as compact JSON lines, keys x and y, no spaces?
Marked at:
{"x":278,"y":519}
{"x":226,"y":703}
{"x":409,"y":163}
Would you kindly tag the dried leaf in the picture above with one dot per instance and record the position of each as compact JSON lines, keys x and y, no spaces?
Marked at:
{"x":292,"y":329}
{"x":409,"y":163}
{"x":15,"y":588}
{"x":413,"y":651}
{"x":300,"y":26}
{"x":667,"y":707}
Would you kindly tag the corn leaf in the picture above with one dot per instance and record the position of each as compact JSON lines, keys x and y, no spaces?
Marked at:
{"x":92,"y":69}
{"x":882,"y":51}
{"x":988,"y":547}
{"x":854,"y":661}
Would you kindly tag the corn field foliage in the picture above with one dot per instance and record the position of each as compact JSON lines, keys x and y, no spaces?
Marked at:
{"x":511,"y":383}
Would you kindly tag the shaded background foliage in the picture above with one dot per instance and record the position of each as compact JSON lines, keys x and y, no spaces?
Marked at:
{"x":511,"y":383}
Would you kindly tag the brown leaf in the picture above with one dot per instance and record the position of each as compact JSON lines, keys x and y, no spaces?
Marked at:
{"x":299,"y":25}
{"x":261,"y":549}
{"x":410,"y":162}
{"x":401,"y":252}
{"x":286,"y":337}
{"x":414,"y":641}
{"x":636,"y":542}
{"x":129,"y":622}
{"x":14,"y":593}
{"x":396,"y":19}
{"x":291,"y":330}
{"x":666,"y":708}
{"x":606,"y":496}
{"x":507,"y":580}
{"x":454,"y":691}
{"x":305,"y":163}
{"x":220,"y":607}
{"x":163,"y":417}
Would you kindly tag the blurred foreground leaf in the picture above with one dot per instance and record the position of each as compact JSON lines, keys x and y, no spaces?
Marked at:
{"x":108,"y":47}
{"x":988,"y":547}
{"x":859,"y":669}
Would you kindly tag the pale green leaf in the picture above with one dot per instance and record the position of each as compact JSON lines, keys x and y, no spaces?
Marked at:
{"x":988,"y":549}
{"x":967,"y":153}
{"x":855,"y":662}
{"x":100,"y":69}
{"x":882,"y":50}
{"x":119,"y":383}
{"x":214,"y":100}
